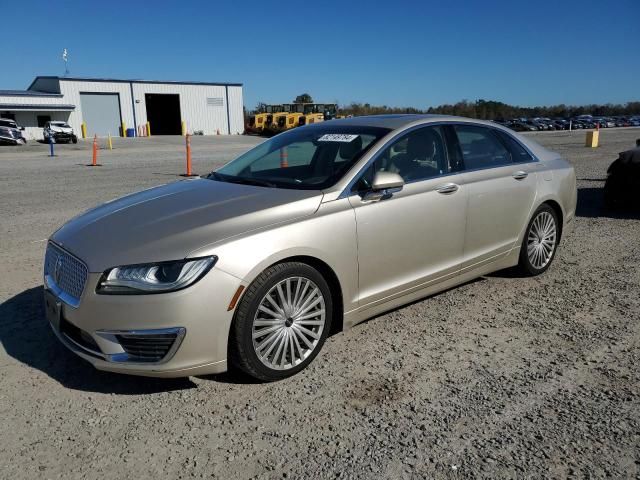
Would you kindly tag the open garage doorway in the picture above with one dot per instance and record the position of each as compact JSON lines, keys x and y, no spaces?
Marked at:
{"x":163,"y":113}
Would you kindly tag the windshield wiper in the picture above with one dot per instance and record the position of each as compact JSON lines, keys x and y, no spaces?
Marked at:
{"x":242,"y":180}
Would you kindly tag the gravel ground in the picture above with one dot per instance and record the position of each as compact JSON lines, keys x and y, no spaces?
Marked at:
{"x":502,"y":377}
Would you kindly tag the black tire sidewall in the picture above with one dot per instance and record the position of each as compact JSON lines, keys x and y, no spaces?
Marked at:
{"x":525,"y":263}
{"x":242,"y":354}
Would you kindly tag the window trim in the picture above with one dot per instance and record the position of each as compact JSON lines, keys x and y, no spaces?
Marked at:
{"x":349,"y":192}
{"x":492,"y":133}
{"x":499,"y":134}
{"x":398,"y":138}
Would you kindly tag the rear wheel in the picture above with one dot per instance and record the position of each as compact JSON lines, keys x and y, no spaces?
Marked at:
{"x":281,"y":322}
{"x":540,"y":241}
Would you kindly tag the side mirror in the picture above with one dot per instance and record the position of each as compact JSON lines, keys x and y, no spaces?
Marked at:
{"x":387,"y":181}
{"x":384,"y":185}
{"x":22,"y":128}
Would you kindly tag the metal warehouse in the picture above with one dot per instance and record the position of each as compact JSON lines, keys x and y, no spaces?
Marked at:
{"x":96,"y":106}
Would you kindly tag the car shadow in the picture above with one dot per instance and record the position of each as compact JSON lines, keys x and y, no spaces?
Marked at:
{"x":27,"y":337}
{"x":591,"y":205}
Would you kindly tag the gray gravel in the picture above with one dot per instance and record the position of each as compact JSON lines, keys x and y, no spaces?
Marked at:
{"x":502,"y":377}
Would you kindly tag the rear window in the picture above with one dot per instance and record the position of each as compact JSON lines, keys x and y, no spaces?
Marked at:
{"x":518,"y":153}
{"x":481,"y":147}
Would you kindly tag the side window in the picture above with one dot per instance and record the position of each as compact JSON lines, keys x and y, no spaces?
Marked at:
{"x":481,"y":148}
{"x":518,"y":153}
{"x":418,"y":155}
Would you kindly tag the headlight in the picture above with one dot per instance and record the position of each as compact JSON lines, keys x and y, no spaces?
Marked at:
{"x":154,"y":277}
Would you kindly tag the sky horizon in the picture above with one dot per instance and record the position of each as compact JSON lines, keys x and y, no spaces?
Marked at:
{"x":401,"y":54}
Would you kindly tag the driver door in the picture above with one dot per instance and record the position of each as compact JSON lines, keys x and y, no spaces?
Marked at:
{"x":414,"y":237}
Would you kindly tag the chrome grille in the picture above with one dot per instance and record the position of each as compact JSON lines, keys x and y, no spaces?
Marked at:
{"x":64,"y":274}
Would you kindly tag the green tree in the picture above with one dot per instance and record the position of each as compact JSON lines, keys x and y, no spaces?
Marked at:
{"x":304,"y":98}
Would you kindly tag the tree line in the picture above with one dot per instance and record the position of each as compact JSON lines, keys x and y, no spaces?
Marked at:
{"x":493,"y":110}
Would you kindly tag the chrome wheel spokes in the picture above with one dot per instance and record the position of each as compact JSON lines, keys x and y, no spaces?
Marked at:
{"x":541,"y":240}
{"x":289,"y":323}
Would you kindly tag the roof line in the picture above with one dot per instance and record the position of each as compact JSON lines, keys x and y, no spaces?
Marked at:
{"x":27,"y":93}
{"x":119,"y":80}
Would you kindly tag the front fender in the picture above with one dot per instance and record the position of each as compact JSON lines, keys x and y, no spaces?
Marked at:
{"x":328,"y":235}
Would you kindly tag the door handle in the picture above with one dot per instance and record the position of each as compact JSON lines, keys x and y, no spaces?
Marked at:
{"x":520,"y":175}
{"x":447,"y":188}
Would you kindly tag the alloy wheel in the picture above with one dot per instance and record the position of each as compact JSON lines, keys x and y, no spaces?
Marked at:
{"x":541,"y":240}
{"x":288,"y":323}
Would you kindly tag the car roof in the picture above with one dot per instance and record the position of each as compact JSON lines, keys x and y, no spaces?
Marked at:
{"x":397,"y":121}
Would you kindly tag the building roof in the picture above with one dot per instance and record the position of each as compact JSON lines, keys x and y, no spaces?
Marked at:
{"x":27,"y":93}
{"x":37,"y":108}
{"x":120,"y":80}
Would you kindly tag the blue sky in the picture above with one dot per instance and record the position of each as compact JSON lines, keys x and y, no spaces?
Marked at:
{"x":398,"y":53}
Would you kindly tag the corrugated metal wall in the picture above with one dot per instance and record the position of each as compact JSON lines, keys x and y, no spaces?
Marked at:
{"x":71,"y":90}
{"x":202,"y":107}
{"x":236,"y":112}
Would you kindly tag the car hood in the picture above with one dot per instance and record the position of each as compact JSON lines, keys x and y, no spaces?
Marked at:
{"x":170,"y":221}
{"x":58,"y":129}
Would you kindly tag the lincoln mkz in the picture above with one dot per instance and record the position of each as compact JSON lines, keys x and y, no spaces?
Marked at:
{"x":310,"y":232}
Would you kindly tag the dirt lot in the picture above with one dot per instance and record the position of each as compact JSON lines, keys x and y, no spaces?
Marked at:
{"x":502,"y":377}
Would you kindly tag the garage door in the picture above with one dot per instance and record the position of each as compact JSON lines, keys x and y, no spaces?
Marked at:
{"x":101,"y":113}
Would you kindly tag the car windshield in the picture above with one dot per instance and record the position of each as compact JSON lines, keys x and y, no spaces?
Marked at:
{"x":7,"y":123}
{"x":308,"y":158}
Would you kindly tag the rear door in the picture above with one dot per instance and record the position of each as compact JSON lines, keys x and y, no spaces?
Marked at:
{"x":500,"y":178}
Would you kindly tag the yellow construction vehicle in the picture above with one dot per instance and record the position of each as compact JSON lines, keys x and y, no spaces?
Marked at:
{"x":260,"y":121}
{"x":279,"y":119}
{"x":317,"y":112}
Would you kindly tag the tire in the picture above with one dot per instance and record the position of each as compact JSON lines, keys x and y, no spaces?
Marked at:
{"x":536,"y":256}
{"x":74,"y":139}
{"x":285,"y":348}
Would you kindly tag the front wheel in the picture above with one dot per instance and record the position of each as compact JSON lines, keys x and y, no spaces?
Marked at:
{"x":540,"y":241}
{"x":281,"y":322}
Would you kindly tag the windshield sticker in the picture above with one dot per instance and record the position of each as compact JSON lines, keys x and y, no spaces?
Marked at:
{"x":337,"y":137}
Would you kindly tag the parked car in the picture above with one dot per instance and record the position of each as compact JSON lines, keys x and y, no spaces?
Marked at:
{"x":521,"y":127}
{"x":622,"y":187}
{"x":253,"y":265}
{"x":11,"y":132}
{"x":59,"y":132}
{"x":561,"y":124}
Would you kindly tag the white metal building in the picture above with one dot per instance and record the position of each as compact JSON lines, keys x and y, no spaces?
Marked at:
{"x":106,"y":105}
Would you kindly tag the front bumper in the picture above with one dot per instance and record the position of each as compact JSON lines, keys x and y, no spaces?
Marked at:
{"x":12,"y":140}
{"x":61,"y":136}
{"x":198,"y":315}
